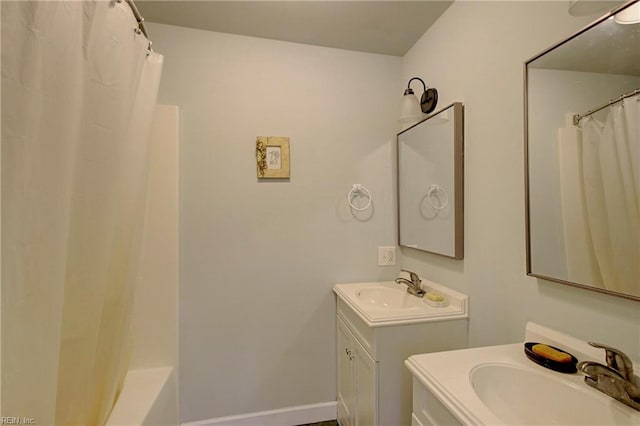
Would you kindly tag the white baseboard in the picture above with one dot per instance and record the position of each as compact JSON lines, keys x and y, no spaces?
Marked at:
{"x":290,"y":416}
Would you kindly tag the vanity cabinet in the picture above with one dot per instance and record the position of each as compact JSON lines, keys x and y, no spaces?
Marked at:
{"x":428,"y":410}
{"x":373,"y":387}
{"x":357,"y":377}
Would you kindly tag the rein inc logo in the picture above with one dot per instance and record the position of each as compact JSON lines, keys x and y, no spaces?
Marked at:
{"x":17,"y":420}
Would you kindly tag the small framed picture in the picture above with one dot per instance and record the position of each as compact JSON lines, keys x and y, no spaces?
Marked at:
{"x":272,"y":156}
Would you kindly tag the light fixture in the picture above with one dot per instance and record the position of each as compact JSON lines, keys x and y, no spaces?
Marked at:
{"x":630,"y":15}
{"x":411,"y":109}
{"x":590,"y":7}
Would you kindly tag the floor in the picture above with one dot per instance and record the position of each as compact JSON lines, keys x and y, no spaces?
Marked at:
{"x":325,"y":423}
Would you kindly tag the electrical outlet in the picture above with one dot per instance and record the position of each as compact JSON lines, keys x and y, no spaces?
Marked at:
{"x":386,"y":256}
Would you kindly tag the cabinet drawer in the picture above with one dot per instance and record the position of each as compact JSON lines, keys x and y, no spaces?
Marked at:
{"x":428,"y":410}
{"x":364,"y":334}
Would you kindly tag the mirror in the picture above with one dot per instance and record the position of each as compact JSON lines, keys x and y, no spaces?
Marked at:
{"x":582,"y":145}
{"x":430,"y":183}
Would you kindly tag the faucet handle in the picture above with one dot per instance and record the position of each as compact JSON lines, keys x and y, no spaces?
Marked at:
{"x":617,"y":360}
{"x":414,"y":277}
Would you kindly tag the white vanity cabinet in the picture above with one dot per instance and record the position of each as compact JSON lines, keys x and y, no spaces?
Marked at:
{"x":357,"y":377}
{"x":373,"y":386}
{"x":428,"y":410}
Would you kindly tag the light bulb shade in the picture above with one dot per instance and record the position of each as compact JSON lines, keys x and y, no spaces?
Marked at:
{"x":410,"y":111}
{"x":630,"y":15}
{"x":590,"y":7}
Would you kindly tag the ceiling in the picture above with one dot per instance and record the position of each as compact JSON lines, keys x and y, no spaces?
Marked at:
{"x":606,"y":48}
{"x":385,"y":27}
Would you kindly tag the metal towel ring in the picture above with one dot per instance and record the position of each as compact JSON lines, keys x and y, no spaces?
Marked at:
{"x":358,"y":189}
{"x":437,"y":192}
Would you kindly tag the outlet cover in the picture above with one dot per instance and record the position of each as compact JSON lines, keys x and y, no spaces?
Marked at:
{"x":386,"y":256}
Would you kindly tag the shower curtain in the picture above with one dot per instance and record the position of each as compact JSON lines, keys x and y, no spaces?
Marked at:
{"x":611,"y":183}
{"x":78,"y":91}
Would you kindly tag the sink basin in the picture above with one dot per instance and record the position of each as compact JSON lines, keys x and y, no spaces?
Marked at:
{"x":499,"y":385}
{"x":388,"y":303}
{"x":518,"y":395}
{"x":388,"y":298}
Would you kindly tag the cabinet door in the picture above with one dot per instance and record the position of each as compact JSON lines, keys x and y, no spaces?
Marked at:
{"x":346,"y":375}
{"x":366,"y":387}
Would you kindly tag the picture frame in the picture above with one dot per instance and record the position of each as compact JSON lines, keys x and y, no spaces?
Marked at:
{"x":272,"y":157}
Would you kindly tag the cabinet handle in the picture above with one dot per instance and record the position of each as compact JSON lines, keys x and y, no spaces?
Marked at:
{"x":349,"y":353}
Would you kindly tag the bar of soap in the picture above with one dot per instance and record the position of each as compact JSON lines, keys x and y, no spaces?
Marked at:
{"x":435,"y":297}
{"x":550,"y":353}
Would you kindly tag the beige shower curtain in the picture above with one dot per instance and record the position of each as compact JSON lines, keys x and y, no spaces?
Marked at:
{"x":611,"y":179}
{"x":78,"y":91}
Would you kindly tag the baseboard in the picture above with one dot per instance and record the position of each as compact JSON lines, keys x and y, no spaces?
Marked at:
{"x":290,"y":416}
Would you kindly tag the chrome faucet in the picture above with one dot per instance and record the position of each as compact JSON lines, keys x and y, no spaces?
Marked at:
{"x":615,"y":379}
{"x":413,"y":285}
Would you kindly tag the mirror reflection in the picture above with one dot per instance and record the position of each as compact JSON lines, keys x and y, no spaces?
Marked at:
{"x":430,"y":191}
{"x":583,"y":160}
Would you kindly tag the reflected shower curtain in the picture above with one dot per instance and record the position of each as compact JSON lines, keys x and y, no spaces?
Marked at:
{"x":611,"y":179}
{"x":78,"y":91}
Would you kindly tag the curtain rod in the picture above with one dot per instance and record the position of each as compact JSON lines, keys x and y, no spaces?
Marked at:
{"x":578,"y":117}
{"x":139,"y":18}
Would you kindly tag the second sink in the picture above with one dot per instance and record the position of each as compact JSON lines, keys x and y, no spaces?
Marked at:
{"x":519,"y":395}
{"x":500,"y":385}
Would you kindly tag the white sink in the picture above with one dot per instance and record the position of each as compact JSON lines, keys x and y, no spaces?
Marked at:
{"x":388,"y":303}
{"x":517,"y":395}
{"x":388,"y":298}
{"x":499,"y":385}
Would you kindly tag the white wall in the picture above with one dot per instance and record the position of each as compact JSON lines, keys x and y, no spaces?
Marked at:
{"x":258,"y":259}
{"x":475,"y":53}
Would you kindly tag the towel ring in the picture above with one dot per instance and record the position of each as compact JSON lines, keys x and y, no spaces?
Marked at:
{"x":358,"y":189}
{"x":438,"y":193}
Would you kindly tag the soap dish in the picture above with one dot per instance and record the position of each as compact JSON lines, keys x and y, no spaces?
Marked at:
{"x":436,"y":304}
{"x":568,"y":367}
{"x":428,"y":298}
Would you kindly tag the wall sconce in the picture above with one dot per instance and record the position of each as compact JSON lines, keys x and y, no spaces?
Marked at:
{"x":590,"y":7}
{"x":630,"y":15}
{"x":411,"y":109}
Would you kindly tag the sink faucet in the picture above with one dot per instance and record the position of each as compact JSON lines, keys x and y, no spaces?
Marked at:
{"x":615,"y":379}
{"x":413,"y":285}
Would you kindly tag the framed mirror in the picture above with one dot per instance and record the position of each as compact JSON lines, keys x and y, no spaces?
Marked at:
{"x":582,"y":148}
{"x":430,"y":184}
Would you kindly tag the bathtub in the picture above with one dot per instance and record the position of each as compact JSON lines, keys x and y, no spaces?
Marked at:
{"x":148,"y":397}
